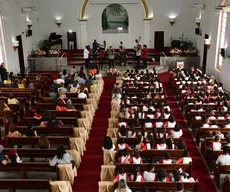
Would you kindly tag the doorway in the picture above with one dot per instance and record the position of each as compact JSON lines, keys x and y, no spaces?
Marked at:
{"x":205,"y":55}
{"x":21,"y":55}
{"x":159,"y":40}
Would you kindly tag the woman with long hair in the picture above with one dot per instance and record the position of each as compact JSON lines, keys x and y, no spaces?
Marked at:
{"x":43,"y":142}
{"x":122,"y":187}
{"x":108,"y":144}
{"x":62,"y":157}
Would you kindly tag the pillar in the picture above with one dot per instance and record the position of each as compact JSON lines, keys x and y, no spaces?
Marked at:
{"x":83,"y":30}
{"x":147,"y":32}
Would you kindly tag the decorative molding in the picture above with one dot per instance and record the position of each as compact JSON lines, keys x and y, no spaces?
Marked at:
{"x":84,"y":6}
{"x":101,"y":2}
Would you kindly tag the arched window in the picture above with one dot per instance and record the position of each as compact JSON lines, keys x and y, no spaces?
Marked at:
{"x":115,"y":19}
{"x":221,"y":39}
{"x":2,"y":52}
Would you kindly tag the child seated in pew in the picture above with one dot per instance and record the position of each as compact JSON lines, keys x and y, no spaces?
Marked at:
{"x":61,"y":106}
{"x":122,"y":145}
{"x":216,"y":145}
{"x":108,"y":144}
{"x":162,"y":134}
{"x":30,"y":132}
{"x":162,"y":145}
{"x":148,"y":142}
{"x":38,"y":113}
{"x":176,"y":132}
{"x":166,"y":113}
{"x":136,"y":158}
{"x":121,"y":175}
{"x":205,"y":122}
{"x":54,"y":122}
{"x":214,"y":125}
{"x":62,"y":157}
{"x":185,"y":159}
{"x":159,"y":123}
{"x":167,"y":159}
{"x":12,"y":100}
{"x":228,"y":124}
{"x":13,"y":131}
{"x":122,"y":133}
{"x":150,"y":175}
{"x":148,"y":123}
{"x":139,"y":143}
{"x":137,"y":175}
{"x":122,"y":123}
{"x":170,"y":123}
{"x":162,"y":175}
{"x":124,"y":158}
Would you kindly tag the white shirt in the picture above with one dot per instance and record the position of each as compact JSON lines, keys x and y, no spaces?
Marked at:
{"x":150,"y":177}
{"x":112,"y":149}
{"x":59,"y":81}
{"x":82,"y":95}
{"x":148,"y":125}
{"x":177,"y":134}
{"x":223,"y":160}
{"x":86,"y":54}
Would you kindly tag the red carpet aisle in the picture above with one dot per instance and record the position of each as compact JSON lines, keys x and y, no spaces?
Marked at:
{"x":89,"y":171}
{"x":199,"y":170}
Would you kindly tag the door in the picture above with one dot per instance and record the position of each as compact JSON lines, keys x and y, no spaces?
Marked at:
{"x":159,"y":40}
{"x":21,"y":55}
{"x":205,"y":55}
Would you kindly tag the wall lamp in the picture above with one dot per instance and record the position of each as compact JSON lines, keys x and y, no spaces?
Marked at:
{"x":198,"y":21}
{"x":207,"y":42}
{"x":58,"y":22}
{"x":29,"y":24}
{"x":172,"y":21}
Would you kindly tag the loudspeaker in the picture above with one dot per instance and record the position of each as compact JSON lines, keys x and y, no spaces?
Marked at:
{"x":223,"y":52}
{"x":198,"y":31}
{"x":29,"y":33}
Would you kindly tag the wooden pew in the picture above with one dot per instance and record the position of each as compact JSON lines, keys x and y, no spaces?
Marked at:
{"x":220,"y":169}
{"x":64,"y":130}
{"x":60,"y":113}
{"x":23,"y":168}
{"x":54,"y":141}
{"x":65,"y":120}
{"x":203,"y":132}
{"x":161,"y":186}
{"x":24,"y":184}
{"x":128,"y":168}
{"x":73,"y":99}
{"x":176,"y":153}
{"x":32,"y":91}
{"x":51,"y":106}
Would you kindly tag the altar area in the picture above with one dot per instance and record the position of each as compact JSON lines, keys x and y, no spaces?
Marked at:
{"x":47,"y":63}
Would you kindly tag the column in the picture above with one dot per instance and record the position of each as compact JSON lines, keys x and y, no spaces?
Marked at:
{"x":147,"y":32}
{"x":83,"y":30}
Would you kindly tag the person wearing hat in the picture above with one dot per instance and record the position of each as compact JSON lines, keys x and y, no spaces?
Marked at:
{"x":2,"y":157}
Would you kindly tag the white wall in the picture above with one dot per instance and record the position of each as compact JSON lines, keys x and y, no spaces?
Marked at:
{"x":209,"y":25}
{"x":14,"y":24}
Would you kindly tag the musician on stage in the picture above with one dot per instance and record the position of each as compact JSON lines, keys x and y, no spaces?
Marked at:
{"x":138,"y":56}
{"x":111,"y":56}
{"x":122,"y":53}
{"x":87,"y":56}
{"x":95,"y":46}
{"x":145,"y":55}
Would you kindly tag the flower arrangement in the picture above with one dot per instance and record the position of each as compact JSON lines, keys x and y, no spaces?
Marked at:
{"x":54,"y":52}
{"x":184,"y":52}
{"x":113,"y":72}
{"x":39,"y":52}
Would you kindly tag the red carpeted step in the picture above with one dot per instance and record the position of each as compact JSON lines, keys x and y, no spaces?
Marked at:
{"x":199,"y":170}
{"x":90,"y":168}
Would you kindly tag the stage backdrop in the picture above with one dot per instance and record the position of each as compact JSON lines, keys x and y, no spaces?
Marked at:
{"x":115,"y":19}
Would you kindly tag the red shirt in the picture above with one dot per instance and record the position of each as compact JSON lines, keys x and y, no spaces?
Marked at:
{"x":145,"y":53}
{"x":58,"y":108}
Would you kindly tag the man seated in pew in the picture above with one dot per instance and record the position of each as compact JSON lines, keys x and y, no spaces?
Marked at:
{"x":62,"y":157}
{"x":59,"y":80}
{"x":108,"y":144}
{"x":13,"y":132}
{"x":62,"y":87}
{"x":225,"y":158}
{"x":122,"y":187}
{"x":75,"y":88}
{"x":12,"y":100}
{"x":176,"y":132}
{"x":14,"y":83}
{"x":38,"y":113}
{"x":185,"y":159}
{"x":2,"y":157}
{"x":43,"y":142}
{"x":83,"y":94}
{"x":4,"y":106}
